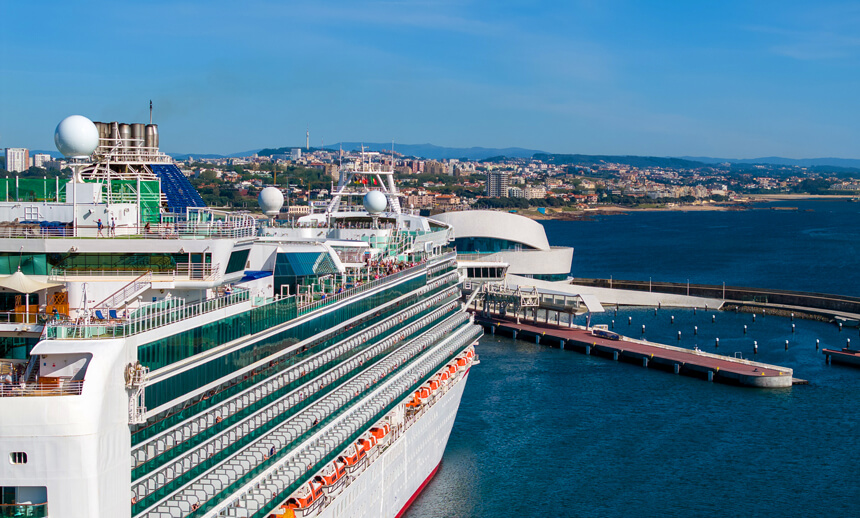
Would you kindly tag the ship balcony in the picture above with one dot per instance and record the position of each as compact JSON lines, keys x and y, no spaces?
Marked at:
{"x":226,"y":227}
{"x":150,"y":316}
{"x":182,"y":272}
{"x":18,"y":378}
{"x":24,"y":510}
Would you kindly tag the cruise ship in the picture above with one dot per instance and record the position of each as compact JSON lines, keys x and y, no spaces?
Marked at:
{"x":163,"y":359}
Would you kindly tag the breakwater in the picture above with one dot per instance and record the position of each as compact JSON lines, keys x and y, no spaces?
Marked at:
{"x":740,"y":296}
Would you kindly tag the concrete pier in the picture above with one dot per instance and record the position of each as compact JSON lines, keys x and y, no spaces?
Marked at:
{"x":846,"y":356}
{"x":712,"y":367}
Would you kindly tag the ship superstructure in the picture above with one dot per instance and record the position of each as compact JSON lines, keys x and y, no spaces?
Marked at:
{"x":192,"y":362}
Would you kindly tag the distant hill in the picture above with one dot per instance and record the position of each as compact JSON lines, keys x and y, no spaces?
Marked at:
{"x":184,"y":156}
{"x":775,"y":160}
{"x":423,"y":150}
{"x":633,"y":161}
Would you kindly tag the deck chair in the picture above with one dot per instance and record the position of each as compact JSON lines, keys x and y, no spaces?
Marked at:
{"x":99,"y":315}
{"x":112,"y":313}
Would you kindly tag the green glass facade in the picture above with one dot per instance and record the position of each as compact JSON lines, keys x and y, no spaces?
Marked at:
{"x":168,"y":350}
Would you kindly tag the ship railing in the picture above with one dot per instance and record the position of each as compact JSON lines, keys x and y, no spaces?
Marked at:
{"x":21,"y":317}
{"x":61,"y":388}
{"x":311,"y":305}
{"x":183,"y":271}
{"x":24,"y":510}
{"x":152,"y":316}
{"x":179,"y":230}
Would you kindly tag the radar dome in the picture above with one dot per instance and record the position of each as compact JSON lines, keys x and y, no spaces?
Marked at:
{"x":271,"y":199}
{"x":375,"y":202}
{"x":76,"y":137}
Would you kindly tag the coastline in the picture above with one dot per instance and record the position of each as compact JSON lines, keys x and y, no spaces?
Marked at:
{"x":738,"y":204}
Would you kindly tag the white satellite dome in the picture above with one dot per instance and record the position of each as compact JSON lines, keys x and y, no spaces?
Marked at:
{"x":375,"y":202}
{"x":271,"y":199}
{"x":76,"y":137}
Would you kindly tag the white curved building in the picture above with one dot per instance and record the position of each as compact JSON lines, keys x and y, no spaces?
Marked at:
{"x":487,"y":239}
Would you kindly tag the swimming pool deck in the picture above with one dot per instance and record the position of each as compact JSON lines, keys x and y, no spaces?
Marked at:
{"x":712,"y":367}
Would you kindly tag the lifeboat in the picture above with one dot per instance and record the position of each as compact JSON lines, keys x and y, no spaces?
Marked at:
{"x":451,"y":370}
{"x":367,"y":442}
{"x":461,"y":362}
{"x":380,"y":432}
{"x":423,"y":393}
{"x":444,"y":376}
{"x":332,"y":477}
{"x":470,"y":353}
{"x":307,"y":500}
{"x":434,"y":386}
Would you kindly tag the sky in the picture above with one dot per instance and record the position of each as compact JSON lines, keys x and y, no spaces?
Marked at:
{"x":729,"y":79}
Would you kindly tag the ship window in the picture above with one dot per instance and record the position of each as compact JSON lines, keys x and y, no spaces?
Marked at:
{"x":18,"y":457}
{"x":237,"y":260}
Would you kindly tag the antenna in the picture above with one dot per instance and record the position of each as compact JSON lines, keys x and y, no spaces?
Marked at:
{"x":150,"y":111}
{"x":308,"y":138}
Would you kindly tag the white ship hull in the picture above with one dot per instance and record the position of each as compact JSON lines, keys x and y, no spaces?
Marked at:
{"x":392,"y":482}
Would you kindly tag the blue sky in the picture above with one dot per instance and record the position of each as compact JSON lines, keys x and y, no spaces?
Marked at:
{"x":726,"y":78}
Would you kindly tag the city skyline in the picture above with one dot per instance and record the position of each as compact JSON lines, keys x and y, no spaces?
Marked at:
{"x":723,"y":80}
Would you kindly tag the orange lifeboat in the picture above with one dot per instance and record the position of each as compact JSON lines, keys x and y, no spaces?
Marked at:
{"x":332,"y":474}
{"x":307,"y":495}
{"x":353,"y":457}
{"x":444,"y":376}
{"x":423,"y":392}
{"x":380,"y":431}
{"x":434,"y":386}
{"x":461,"y":362}
{"x":470,"y":353}
{"x":451,"y":370}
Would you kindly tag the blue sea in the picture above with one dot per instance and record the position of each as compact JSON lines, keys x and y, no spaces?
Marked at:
{"x":549,"y":432}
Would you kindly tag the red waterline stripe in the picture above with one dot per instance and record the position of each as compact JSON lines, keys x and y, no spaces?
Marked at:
{"x":406,"y":507}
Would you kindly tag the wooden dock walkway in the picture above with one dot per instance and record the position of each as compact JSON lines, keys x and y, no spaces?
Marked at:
{"x":712,"y":367}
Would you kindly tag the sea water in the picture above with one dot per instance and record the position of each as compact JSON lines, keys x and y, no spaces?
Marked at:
{"x":549,"y":432}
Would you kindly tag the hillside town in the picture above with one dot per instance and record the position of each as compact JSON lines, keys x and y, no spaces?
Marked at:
{"x":541,"y":184}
